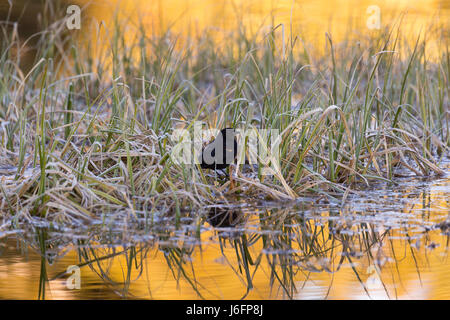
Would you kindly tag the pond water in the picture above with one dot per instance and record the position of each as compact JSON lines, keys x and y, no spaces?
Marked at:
{"x":389,"y":243}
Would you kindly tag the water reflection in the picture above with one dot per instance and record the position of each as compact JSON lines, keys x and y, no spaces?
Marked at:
{"x":390,"y":243}
{"x":223,"y":217}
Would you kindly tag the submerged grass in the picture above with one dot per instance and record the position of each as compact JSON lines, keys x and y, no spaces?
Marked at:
{"x":86,"y":131}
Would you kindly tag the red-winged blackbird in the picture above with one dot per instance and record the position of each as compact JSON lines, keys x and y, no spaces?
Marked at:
{"x":220,"y":153}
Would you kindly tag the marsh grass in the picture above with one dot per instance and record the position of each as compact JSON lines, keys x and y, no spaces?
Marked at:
{"x":86,"y":130}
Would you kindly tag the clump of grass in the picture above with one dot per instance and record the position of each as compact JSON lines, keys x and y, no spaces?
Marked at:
{"x":86,"y":131}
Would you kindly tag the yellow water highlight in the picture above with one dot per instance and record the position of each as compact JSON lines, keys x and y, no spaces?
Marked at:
{"x":308,"y":20}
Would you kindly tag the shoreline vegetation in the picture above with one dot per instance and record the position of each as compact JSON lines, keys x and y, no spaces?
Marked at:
{"x":86,"y":128}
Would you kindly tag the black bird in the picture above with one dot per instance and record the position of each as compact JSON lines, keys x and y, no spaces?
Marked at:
{"x":220,"y":153}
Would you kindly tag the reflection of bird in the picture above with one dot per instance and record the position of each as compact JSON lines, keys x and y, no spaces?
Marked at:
{"x":220,"y":217}
{"x":220,"y":153}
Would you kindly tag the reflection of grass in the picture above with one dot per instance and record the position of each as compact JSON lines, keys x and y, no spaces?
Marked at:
{"x":288,"y":248}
